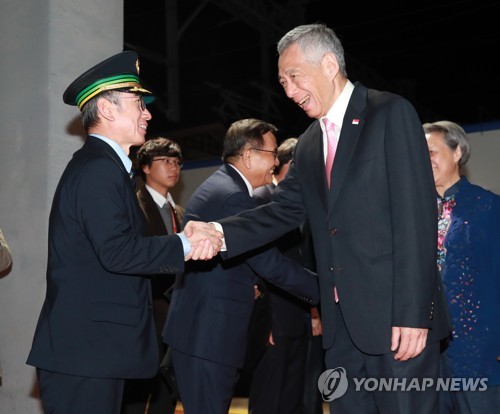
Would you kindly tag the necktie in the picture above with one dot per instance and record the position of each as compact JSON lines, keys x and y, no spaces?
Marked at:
{"x":332,"y":147}
{"x":331,"y":136}
{"x":169,"y":218}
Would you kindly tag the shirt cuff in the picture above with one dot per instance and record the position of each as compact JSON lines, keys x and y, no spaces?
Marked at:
{"x":186,"y":246}
{"x":218,"y":227}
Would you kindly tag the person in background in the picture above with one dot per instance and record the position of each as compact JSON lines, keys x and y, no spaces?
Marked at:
{"x":96,"y":325}
{"x":362,"y":178}
{"x":469,"y":264}
{"x":5,"y":256}
{"x":278,"y":380}
{"x":159,"y":163}
{"x":208,"y":321}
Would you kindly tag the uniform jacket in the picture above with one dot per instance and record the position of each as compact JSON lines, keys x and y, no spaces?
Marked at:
{"x":374,"y":231}
{"x":96,"y":319}
{"x":213,"y":301}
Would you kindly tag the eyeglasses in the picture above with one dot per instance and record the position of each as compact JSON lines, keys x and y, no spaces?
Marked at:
{"x":138,"y":98}
{"x":274,"y":151}
{"x":170,"y":162}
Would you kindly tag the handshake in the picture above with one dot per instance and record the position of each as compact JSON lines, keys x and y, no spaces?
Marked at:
{"x":204,"y":239}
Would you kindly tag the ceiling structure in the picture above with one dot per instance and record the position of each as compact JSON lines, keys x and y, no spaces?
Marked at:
{"x":211,"y":62}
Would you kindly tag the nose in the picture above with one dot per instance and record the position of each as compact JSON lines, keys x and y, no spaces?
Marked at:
{"x":146,"y":114}
{"x":289,"y":89}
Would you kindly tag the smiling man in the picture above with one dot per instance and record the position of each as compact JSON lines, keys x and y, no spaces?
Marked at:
{"x":96,"y":325}
{"x":208,"y":321}
{"x":362,"y":177}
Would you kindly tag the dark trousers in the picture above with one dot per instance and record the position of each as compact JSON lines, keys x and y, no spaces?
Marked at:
{"x":64,"y":394}
{"x":315,"y":365}
{"x":205,"y":387}
{"x":367,"y":400}
{"x":148,"y":396}
{"x":278,"y":379}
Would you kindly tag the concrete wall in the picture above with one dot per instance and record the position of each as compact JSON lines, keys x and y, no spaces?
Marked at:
{"x":44,"y":45}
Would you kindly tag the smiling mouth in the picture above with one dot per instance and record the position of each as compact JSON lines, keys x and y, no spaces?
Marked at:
{"x":303,"y":101}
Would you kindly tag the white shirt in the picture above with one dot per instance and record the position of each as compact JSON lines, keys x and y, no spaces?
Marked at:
{"x":336,"y":114}
{"x":159,"y":198}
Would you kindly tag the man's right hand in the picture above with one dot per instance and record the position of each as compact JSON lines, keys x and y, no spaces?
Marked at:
{"x":205,"y":241}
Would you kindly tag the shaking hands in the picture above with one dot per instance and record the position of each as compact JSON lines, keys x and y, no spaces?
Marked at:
{"x":205,"y":240}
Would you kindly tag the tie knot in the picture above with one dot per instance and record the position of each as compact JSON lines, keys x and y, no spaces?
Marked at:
{"x":329,"y":125}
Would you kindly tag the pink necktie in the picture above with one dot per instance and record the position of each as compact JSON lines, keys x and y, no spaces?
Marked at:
{"x":332,"y":147}
{"x":331,"y":135}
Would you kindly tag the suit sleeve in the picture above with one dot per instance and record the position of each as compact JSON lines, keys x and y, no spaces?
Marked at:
{"x":253,"y":228}
{"x":269,"y":263}
{"x":413,"y":216}
{"x":103,"y":206}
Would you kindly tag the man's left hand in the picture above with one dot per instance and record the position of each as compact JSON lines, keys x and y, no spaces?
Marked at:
{"x":409,"y":342}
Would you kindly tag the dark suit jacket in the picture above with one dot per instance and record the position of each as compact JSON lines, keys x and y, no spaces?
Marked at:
{"x":374,"y":231}
{"x":154,"y":223}
{"x":156,"y":227}
{"x":96,"y":320}
{"x":288,"y":313}
{"x":212,"y":302}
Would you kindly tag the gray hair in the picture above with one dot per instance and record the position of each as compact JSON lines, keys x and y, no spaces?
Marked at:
{"x":454,"y":136}
{"x":90,"y":113}
{"x":314,"y":41}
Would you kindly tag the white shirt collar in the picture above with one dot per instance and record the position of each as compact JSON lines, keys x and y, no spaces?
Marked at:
{"x":160,"y":199}
{"x":127,"y":163}
{"x":249,"y":186}
{"x":337,"y":111}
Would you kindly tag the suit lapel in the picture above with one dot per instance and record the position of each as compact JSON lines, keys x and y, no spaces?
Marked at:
{"x":352,"y":126}
{"x":155,"y":224}
{"x":312,"y":161}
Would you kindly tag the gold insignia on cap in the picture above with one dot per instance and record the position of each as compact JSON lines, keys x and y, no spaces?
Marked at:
{"x":137,"y":66}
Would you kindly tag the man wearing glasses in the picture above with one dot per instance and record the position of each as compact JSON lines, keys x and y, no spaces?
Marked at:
{"x":159,"y":163}
{"x":212,"y":303}
{"x":96,"y":325}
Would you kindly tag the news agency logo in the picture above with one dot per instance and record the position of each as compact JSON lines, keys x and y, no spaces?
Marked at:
{"x":333,"y":383}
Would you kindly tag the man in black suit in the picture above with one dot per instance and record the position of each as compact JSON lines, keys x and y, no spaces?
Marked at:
{"x":278,"y":379}
{"x":212,"y":302}
{"x":159,"y":162}
{"x":96,"y":325}
{"x":373,"y":221}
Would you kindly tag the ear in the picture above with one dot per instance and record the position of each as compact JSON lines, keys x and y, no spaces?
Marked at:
{"x":330,"y":64}
{"x":146,"y":169}
{"x":106,"y":109}
{"x":457,"y":154}
{"x":246,"y":158}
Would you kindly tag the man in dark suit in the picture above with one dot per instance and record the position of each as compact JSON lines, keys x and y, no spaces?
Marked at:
{"x":208,"y":320}
{"x":373,"y":220}
{"x":278,"y":379}
{"x":96,"y":326}
{"x":159,"y":163}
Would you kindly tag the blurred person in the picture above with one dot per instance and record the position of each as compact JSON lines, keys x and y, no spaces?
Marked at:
{"x":208,"y":322}
{"x":469,"y":263}
{"x":279,"y":377}
{"x":362,"y":178}
{"x":159,"y":163}
{"x":5,"y":256}
{"x":96,"y":325}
